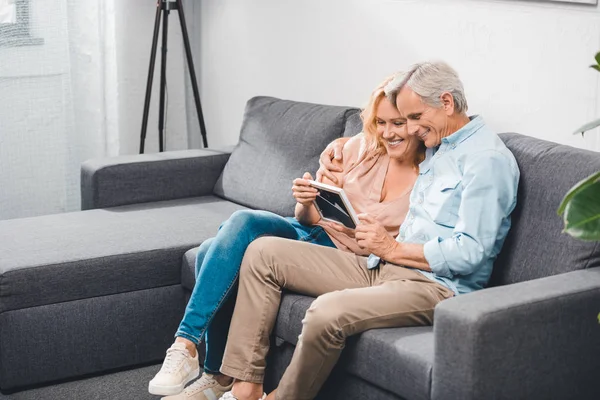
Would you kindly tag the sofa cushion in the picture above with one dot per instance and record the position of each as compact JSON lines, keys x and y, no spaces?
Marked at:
{"x":279,"y":141}
{"x":535,"y":246}
{"x":399,"y":360}
{"x":188,"y":269}
{"x":57,"y":258}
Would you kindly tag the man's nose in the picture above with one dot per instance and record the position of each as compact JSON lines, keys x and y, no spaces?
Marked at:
{"x":412,"y":128}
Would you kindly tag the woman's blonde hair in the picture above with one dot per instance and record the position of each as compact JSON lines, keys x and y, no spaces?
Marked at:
{"x":374,"y":144}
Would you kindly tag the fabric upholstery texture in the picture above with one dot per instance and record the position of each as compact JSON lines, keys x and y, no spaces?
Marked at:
{"x":58,"y":341}
{"x":78,"y":255}
{"x":144,"y":178}
{"x":279,"y":141}
{"x":188,"y":269}
{"x":354,"y":125}
{"x":129,"y":384}
{"x":532,"y":340}
{"x":535,"y":246}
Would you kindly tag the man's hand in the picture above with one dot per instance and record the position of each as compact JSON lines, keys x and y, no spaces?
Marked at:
{"x":333,"y":151}
{"x":303,"y":192}
{"x":373,"y":236}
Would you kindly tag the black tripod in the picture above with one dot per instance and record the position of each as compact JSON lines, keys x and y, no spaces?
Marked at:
{"x":165,"y":7}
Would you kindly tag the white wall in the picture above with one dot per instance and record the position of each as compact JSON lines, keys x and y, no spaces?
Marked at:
{"x":524,"y":64}
{"x":134,"y":28}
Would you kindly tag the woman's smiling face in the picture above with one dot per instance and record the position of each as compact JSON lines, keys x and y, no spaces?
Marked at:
{"x":391,"y":131}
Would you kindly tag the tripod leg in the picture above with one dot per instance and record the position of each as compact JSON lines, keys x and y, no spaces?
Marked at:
{"x":188,"y":53}
{"x":150,"y":76}
{"x":163,"y":81}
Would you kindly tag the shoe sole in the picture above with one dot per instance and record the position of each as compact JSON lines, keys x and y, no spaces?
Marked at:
{"x":161,"y":390}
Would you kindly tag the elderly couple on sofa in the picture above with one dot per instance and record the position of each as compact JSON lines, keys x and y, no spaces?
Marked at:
{"x":434,"y":188}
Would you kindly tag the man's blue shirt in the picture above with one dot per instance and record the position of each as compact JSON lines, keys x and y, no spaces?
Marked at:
{"x":460,"y":206}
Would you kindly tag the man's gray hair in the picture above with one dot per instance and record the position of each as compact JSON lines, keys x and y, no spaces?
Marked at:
{"x":430,"y":80}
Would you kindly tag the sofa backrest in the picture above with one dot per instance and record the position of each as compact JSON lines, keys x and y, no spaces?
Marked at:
{"x":535,"y":246}
{"x":279,"y":141}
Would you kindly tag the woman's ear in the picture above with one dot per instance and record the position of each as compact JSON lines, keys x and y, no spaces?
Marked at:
{"x":447,"y":103}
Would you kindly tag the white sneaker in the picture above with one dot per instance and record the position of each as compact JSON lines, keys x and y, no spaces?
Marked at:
{"x":205,"y":388}
{"x":177,"y":370}
{"x":230,"y":396}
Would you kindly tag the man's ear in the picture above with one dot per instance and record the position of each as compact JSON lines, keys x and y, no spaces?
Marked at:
{"x":447,"y":103}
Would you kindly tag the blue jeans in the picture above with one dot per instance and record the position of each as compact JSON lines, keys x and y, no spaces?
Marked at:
{"x":211,"y":304}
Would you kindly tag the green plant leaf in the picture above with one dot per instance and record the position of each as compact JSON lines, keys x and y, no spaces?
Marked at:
{"x":577,"y":188}
{"x":595,"y":66}
{"x":581,"y":209}
{"x":587,"y":127}
{"x":597,"y":57}
{"x":599,"y":318}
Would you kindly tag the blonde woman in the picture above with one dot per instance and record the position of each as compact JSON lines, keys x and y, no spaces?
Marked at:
{"x":378,"y":173}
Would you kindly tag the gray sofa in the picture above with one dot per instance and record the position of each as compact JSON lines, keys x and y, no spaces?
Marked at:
{"x":90,"y":299}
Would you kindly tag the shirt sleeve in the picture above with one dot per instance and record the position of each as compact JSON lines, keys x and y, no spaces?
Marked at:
{"x":489,"y":183}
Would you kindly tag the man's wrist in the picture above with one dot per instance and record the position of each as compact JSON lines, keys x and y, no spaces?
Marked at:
{"x":394,"y":250}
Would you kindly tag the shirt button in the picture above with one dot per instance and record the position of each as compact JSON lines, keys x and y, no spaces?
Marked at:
{"x":453,"y":145}
{"x":421,"y":200}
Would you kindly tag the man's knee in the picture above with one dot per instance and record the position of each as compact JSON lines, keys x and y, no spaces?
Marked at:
{"x":322,"y":319}
{"x":259,"y":256}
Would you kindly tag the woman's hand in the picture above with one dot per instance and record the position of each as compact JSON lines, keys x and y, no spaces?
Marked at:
{"x":341,"y":228}
{"x":333,"y":151}
{"x":303,"y":192}
{"x":373,"y":236}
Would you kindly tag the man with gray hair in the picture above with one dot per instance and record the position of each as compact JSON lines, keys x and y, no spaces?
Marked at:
{"x":458,"y":218}
{"x":461,"y":203}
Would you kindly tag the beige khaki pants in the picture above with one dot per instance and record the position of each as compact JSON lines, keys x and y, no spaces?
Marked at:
{"x":350,"y":299}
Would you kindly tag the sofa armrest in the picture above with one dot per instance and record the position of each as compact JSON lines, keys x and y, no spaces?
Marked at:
{"x":538,"y":339}
{"x":115,"y":181}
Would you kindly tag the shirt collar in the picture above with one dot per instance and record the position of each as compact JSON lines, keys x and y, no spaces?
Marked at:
{"x":460,"y":135}
{"x":463,"y":133}
{"x":424,"y":165}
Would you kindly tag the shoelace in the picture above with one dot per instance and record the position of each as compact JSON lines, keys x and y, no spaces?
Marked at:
{"x":205,"y":381}
{"x":173,"y":359}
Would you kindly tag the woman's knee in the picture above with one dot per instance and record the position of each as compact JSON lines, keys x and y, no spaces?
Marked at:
{"x":244,"y":219}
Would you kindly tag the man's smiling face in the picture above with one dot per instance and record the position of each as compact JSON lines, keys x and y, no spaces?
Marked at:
{"x":429,"y":124}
